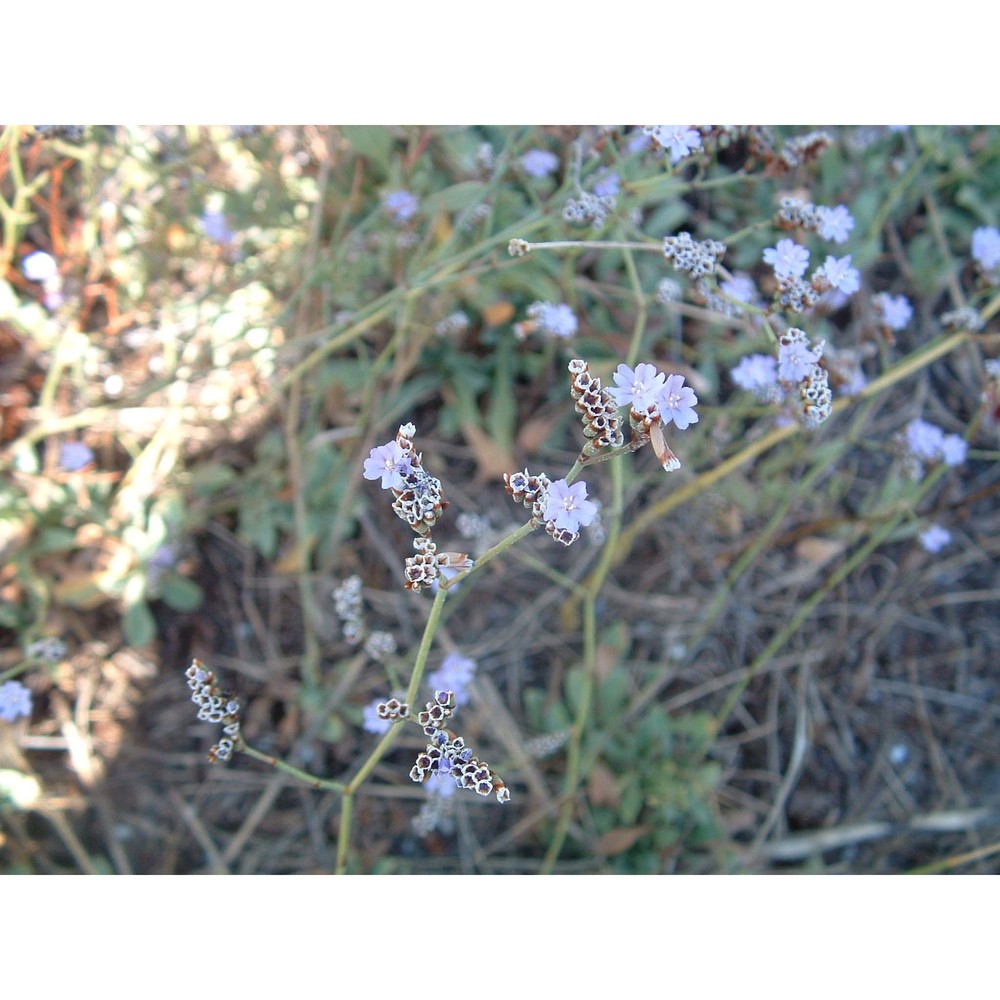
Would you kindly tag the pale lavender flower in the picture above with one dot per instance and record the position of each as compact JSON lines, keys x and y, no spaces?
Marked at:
{"x":954,"y":448}
{"x":796,"y":357}
{"x":985,"y":246}
{"x":639,"y":388}
{"x":924,"y":440}
{"x":788,"y":259}
{"x":757,"y":373}
{"x":555,"y":320}
{"x":896,"y":310}
{"x":607,"y":185}
{"x":401,"y":205}
{"x":568,"y":506}
{"x":678,"y":140}
{"x":215,"y":228}
{"x":841,"y":275}
{"x":455,"y":674}
{"x":740,"y":287}
{"x":372,"y":722}
{"x":935,"y":538}
{"x":677,"y":402}
{"x":74,"y":456}
{"x":835,"y":223}
{"x":388,"y":463}
{"x":15,"y":701}
{"x":539,"y":162}
{"x":39,"y":266}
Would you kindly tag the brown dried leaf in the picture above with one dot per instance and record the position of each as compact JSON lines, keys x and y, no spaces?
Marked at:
{"x":493,"y":459}
{"x":601,"y":788}
{"x":818,"y":550}
{"x":620,"y":839}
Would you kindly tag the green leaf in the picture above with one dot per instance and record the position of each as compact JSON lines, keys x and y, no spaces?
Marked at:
{"x":181,"y":593}
{"x":371,"y":141}
{"x":139,"y":624}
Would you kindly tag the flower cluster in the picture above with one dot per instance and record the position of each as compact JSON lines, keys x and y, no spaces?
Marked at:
{"x":923,"y":442}
{"x":217,"y":707}
{"x":419,"y":497}
{"x":539,"y":163}
{"x":550,"y":319}
{"x":800,"y":150}
{"x":986,"y":252}
{"x":347,"y":604}
{"x":393,"y":709}
{"x":49,"y":649}
{"x":834,"y":224}
{"x":453,"y":324}
{"x":447,"y":755}
{"x":428,"y":565}
{"x":562,"y":508}
{"x":697,"y":257}
{"x":654,"y":400}
{"x":934,"y":538}
{"x":798,"y":363}
{"x":895,"y":311}
{"x":589,"y":209}
{"x":455,"y":674}
{"x":15,"y":701}
{"x":401,"y":205}
{"x":678,"y":140}
{"x":597,"y":408}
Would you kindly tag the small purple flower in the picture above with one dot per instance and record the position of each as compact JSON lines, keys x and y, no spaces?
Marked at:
{"x":924,"y":440}
{"x":568,"y":506}
{"x":985,"y":246}
{"x":607,"y":185}
{"x":39,"y":266}
{"x":539,"y":162}
{"x":639,"y":388}
{"x":740,"y":287}
{"x":896,"y":310}
{"x":215,"y":228}
{"x":835,"y":223}
{"x":388,"y":463}
{"x":554,"y":320}
{"x":372,"y":722}
{"x":954,"y":448}
{"x":678,"y":140}
{"x":401,"y":205}
{"x":795,"y":360}
{"x":74,"y":456}
{"x":841,"y":275}
{"x":788,"y":259}
{"x":455,"y":674}
{"x":15,"y":701}
{"x":757,"y":373}
{"x":677,"y":402}
{"x":935,"y":538}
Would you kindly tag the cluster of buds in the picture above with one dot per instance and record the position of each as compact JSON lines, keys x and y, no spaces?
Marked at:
{"x":437,"y":712}
{"x":419,"y":501}
{"x":448,"y":756}
{"x":347,"y":604}
{"x":215,"y":706}
{"x":794,"y":213}
{"x":800,"y":150}
{"x":597,"y":408}
{"x":419,"y":497}
{"x":423,"y":569}
{"x":530,"y":490}
{"x":589,"y":209}
{"x":392,"y":710}
{"x":798,"y":296}
{"x":698,"y":257}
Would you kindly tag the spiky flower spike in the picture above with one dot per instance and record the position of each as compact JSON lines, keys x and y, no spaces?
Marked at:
{"x":215,"y":706}
{"x":598,"y":410}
